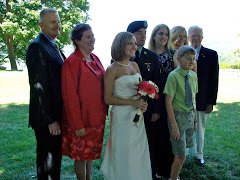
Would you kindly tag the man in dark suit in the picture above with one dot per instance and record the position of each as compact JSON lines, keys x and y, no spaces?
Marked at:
{"x":208,"y":72}
{"x":44,"y":61}
{"x":149,"y":65}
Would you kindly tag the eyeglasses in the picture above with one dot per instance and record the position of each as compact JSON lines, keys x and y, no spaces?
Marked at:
{"x":189,"y":59}
{"x":182,"y":37}
{"x":196,"y":36}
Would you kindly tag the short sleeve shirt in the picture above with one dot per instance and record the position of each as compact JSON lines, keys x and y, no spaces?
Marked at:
{"x":175,"y":87}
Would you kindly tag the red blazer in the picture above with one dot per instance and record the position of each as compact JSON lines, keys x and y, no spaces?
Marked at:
{"x":82,"y":92}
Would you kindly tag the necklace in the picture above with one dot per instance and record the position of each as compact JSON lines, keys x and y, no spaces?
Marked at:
{"x":126,"y":65}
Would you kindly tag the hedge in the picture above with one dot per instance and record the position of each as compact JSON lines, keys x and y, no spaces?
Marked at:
{"x":229,"y":66}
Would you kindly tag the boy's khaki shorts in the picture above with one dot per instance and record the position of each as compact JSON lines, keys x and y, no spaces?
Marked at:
{"x":185,"y":121}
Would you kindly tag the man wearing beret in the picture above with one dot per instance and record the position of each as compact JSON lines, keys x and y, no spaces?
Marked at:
{"x":149,"y":65}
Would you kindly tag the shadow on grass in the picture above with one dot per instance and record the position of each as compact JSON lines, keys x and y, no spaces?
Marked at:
{"x":17,"y":145}
{"x":222,"y":146}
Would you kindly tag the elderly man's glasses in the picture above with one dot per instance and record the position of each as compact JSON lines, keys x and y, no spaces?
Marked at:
{"x":189,"y":59}
{"x":196,"y":36}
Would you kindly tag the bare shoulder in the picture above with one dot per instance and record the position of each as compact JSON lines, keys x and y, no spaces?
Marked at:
{"x":135,"y":65}
{"x":111,"y":70}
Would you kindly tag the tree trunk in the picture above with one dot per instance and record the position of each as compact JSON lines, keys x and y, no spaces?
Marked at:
{"x":9,"y":43}
{"x":11,"y":53}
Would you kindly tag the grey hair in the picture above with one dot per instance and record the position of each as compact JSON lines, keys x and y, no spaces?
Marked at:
{"x":186,"y":49}
{"x":194,"y":27}
{"x":44,"y":11}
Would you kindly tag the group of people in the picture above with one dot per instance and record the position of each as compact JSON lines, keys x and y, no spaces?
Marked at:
{"x":69,"y":100}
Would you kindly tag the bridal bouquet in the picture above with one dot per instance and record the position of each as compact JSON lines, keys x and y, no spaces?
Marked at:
{"x":146,"y":90}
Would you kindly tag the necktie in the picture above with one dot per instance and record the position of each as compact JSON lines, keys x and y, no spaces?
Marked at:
{"x":137,"y":58}
{"x":188,"y":92}
{"x":56,"y":47}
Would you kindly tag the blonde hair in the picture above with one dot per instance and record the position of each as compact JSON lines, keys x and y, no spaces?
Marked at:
{"x":152,"y":44}
{"x":175,"y":32}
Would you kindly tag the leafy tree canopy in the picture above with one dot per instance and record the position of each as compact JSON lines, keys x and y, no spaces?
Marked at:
{"x":19,"y":24}
{"x":231,"y":57}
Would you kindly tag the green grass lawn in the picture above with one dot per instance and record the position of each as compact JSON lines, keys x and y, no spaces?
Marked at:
{"x":18,"y":144}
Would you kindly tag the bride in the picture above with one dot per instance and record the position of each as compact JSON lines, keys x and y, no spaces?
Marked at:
{"x":127,"y":154}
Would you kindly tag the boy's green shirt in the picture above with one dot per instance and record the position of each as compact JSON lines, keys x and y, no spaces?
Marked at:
{"x":175,"y":87}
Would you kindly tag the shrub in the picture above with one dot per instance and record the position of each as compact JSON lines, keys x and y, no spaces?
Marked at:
{"x":229,"y":66}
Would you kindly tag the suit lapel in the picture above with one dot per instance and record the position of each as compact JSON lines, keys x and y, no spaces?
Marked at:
{"x":99,"y":64}
{"x":143,"y":54}
{"x":88,"y":65}
{"x":201,"y":56}
{"x":52,"y":51}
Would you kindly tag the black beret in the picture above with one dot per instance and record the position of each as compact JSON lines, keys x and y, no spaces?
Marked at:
{"x":136,"y":25}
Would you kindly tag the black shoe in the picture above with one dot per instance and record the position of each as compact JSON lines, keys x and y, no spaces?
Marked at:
{"x":200,"y":162}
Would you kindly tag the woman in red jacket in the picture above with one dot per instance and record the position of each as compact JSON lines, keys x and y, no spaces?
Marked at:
{"x":84,"y":108}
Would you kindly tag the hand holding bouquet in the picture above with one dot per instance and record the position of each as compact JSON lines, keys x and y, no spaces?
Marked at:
{"x":146,"y":90}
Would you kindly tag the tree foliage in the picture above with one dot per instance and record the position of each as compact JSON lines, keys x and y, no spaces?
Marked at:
{"x":19,"y":24}
{"x":230,"y":57}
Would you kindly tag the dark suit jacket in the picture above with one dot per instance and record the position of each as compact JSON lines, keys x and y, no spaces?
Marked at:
{"x":44,"y":70}
{"x":208,"y":73}
{"x":149,"y":65}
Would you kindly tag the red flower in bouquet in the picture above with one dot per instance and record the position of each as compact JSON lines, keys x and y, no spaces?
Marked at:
{"x":142,"y":85}
{"x":150,"y":89}
{"x":146,"y":90}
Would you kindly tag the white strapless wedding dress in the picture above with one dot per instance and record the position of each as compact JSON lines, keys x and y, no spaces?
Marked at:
{"x":126,"y":154}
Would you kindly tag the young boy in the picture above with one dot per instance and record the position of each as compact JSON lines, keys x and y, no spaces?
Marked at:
{"x":180,"y":90}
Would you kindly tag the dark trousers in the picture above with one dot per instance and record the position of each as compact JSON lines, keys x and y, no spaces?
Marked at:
{"x":49,"y":154}
{"x":159,"y":145}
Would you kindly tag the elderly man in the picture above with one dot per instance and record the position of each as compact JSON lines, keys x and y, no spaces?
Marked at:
{"x":207,"y":71}
{"x":44,"y":61}
{"x":149,"y":65}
